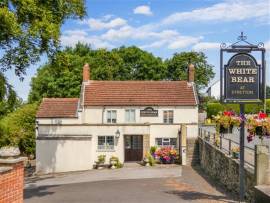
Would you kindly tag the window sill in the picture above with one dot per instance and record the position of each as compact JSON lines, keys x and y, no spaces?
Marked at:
{"x":106,"y":150}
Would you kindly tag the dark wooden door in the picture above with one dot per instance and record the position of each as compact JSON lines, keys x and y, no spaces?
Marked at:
{"x":133,"y":147}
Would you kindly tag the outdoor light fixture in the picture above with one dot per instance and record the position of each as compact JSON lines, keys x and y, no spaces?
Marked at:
{"x":117,"y":133}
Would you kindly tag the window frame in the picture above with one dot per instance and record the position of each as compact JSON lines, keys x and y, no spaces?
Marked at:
{"x":106,"y":146}
{"x":169,"y":141}
{"x":128,"y":112}
{"x":168,"y":116}
{"x":109,"y":116}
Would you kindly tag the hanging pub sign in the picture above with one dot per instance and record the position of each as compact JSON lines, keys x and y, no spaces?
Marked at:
{"x":149,"y":112}
{"x":242,"y":78}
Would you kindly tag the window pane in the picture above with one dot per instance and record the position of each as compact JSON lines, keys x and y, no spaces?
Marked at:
{"x":113,"y":116}
{"x":110,"y":142}
{"x":173,"y":142}
{"x":101,"y":142}
{"x":132,"y":116}
{"x":159,"y":141}
{"x":170,"y":116}
{"x":108,"y":116}
{"x":165,"y":116}
{"x":127,"y":116}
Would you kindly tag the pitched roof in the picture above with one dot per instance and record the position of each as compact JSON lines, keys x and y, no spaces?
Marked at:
{"x":58,"y":108}
{"x":139,"y":93}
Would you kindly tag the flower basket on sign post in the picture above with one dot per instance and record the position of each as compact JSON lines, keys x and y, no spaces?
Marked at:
{"x":258,"y":125}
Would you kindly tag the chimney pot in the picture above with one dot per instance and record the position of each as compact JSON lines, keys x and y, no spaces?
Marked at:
{"x":86,"y":72}
{"x":191,"y":73}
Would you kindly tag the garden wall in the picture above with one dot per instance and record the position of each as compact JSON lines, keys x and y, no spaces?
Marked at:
{"x":225,"y":170}
{"x":11,"y":180}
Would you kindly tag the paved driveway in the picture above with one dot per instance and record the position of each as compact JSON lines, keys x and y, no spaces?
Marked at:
{"x":188,"y":186}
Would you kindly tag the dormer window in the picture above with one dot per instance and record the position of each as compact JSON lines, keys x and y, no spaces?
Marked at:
{"x":111,"y":116}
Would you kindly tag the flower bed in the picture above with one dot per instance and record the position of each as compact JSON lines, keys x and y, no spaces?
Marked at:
{"x":166,"y":155}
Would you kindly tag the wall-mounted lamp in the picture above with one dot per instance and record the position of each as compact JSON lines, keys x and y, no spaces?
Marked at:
{"x":117,"y":134}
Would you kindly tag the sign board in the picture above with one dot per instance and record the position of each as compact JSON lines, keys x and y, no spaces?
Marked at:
{"x":149,"y":112}
{"x":242,"y":78}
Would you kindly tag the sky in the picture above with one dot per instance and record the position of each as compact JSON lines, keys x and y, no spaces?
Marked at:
{"x":164,"y":28}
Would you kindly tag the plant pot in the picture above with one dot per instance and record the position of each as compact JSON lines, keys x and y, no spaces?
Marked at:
{"x":9,"y":151}
{"x":224,"y":130}
{"x":235,"y":155}
{"x":259,"y":130}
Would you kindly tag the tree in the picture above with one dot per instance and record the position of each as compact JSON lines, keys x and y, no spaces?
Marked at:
{"x":178,"y":68}
{"x":30,"y":28}
{"x":8,"y":97}
{"x":268,"y":92}
{"x":18,"y":129}
{"x":63,"y":76}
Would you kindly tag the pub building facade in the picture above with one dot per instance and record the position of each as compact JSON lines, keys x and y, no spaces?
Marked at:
{"x":113,"y":118}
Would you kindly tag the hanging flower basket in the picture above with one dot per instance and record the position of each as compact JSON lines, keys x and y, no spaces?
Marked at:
{"x":226,"y":121}
{"x":258,"y":125}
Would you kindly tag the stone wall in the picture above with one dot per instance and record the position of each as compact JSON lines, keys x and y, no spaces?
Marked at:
{"x":11,"y":180}
{"x":225,"y":170}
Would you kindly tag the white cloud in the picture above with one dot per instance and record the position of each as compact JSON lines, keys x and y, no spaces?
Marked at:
{"x":226,"y":11}
{"x":144,"y":10}
{"x":105,"y":23}
{"x":71,"y":38}
{"x":202,"y":46}
{"x":183,"y":41}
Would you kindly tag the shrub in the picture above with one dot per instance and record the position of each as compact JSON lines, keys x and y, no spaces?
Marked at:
{"x":18,"y":129}
{"x":117,"y":163}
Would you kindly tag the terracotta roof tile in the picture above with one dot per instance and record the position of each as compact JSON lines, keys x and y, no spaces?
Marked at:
{"x":139,"y":93}
{"x":58,"y":108}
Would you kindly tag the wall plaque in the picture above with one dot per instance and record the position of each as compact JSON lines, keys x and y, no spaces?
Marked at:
{"x":149,"y":112}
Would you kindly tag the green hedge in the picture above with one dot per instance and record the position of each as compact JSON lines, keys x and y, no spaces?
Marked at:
{"x":214,"y":108}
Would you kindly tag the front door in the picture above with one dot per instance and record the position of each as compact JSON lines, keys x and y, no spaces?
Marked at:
{"x":133,"y":147}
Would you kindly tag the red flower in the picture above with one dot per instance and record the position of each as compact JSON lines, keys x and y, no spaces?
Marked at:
{"x":262,"y":115}
{"x":228,"y":113}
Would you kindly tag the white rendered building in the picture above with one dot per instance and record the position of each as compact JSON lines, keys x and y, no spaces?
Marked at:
{"x":120,"y":118}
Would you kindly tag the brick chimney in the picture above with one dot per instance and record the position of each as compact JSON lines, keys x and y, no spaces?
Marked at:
{"x":86,"y":73}
{"x":191,"y":72}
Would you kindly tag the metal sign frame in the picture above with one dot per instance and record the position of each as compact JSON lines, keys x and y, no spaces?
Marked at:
{"x":246,"y":49}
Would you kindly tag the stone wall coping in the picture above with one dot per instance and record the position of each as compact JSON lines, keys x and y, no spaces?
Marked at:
{"x":5,"y":169}
{"x":12,"y":160}
{"x":264,"y":188}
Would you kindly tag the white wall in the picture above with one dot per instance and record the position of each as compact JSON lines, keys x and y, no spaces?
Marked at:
{"x":63,"y":155}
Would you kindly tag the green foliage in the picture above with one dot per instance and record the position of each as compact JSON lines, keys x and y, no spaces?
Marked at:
{"x":30,"y":28}
{"x":268,"y":92}
{"x":151,"y":159}
{"x":177,"y":68}
{"x":8,"y":97}
{"x":214,"y":108}
{"x":18,"y":129}
{"x":101,"y":159}
{"x":62,"y":76}
{"x":153,"y":149}
{"x":115,"y":160}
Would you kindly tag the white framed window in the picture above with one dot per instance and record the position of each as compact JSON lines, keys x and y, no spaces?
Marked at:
{"x":162,"y":142}
{"x":111,"y":116}
{"x":168,"y":116}
{"x":130,"y":115}
{"x":106,"y":143}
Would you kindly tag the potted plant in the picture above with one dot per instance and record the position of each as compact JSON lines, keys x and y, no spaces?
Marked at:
{"x":115,"y":163}
{"x":235,"y":152}
{"x":166,"y":155}
{"x":100,"y":162}
{"x":149,"y":159}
